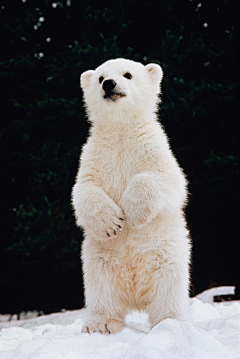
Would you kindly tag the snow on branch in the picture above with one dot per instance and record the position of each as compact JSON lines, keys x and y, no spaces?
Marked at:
{"x":208,"y":295}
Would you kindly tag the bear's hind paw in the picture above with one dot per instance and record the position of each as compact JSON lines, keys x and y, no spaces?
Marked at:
{"x":107,"y":326}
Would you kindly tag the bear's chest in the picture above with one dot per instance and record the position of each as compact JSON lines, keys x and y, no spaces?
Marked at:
{"x":113,"y":163}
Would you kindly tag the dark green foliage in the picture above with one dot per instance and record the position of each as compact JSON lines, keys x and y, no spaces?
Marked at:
{"x":43,"y":127}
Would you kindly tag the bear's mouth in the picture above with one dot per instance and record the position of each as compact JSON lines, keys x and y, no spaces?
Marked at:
{"x":114,"y":95}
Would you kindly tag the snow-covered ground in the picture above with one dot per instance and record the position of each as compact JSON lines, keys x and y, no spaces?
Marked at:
{"x":213,"y":332}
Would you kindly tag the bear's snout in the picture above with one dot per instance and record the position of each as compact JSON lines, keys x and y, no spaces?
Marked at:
{"x":109,"y":85}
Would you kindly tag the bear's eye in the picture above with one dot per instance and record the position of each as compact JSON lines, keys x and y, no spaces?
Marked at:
{"x":128,"y":75}
{"x":101,"y":78}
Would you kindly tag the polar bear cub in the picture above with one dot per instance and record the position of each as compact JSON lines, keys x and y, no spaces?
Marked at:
{"x":129,"y":197}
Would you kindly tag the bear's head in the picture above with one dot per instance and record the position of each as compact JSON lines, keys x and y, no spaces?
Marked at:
{"x":121,"y":88}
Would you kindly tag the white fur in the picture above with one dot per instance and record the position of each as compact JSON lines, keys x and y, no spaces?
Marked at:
{"x":129,"y":177}
{"x":138,"y":320}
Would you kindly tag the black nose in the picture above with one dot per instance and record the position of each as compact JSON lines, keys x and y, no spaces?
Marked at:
{"x":108,"y":85}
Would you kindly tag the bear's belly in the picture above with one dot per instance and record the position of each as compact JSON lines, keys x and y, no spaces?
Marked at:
{"x":137,"y":279}
{"x":134,"y":274}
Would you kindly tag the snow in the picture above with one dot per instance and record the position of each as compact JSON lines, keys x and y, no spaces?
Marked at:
{"x":208,"y":295}
{"x":212,"y":332}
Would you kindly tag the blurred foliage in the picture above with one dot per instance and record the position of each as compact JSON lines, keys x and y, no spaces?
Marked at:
{"x":45,"y":47}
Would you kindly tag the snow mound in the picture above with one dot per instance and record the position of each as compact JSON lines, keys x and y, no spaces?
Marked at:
{"x":212,"y":332}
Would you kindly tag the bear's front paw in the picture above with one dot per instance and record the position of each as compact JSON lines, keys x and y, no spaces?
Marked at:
{"x":138,"y":215}
{"x":141,"y":219}
{"x":107,"y":223}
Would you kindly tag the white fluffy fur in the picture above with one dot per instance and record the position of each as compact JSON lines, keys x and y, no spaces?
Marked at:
{"x":129,"y":178}
{"x":138,"y":320}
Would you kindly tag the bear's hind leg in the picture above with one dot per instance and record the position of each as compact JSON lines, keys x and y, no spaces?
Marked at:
{"x":171,"y":296}
{"x":105,"y":310}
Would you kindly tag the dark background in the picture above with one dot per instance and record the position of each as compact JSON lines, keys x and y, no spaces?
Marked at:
{"x":45,"y":46}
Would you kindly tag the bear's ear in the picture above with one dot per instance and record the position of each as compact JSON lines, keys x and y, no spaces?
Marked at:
{"x":85,"y":79}
{"x":155,"y":72}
